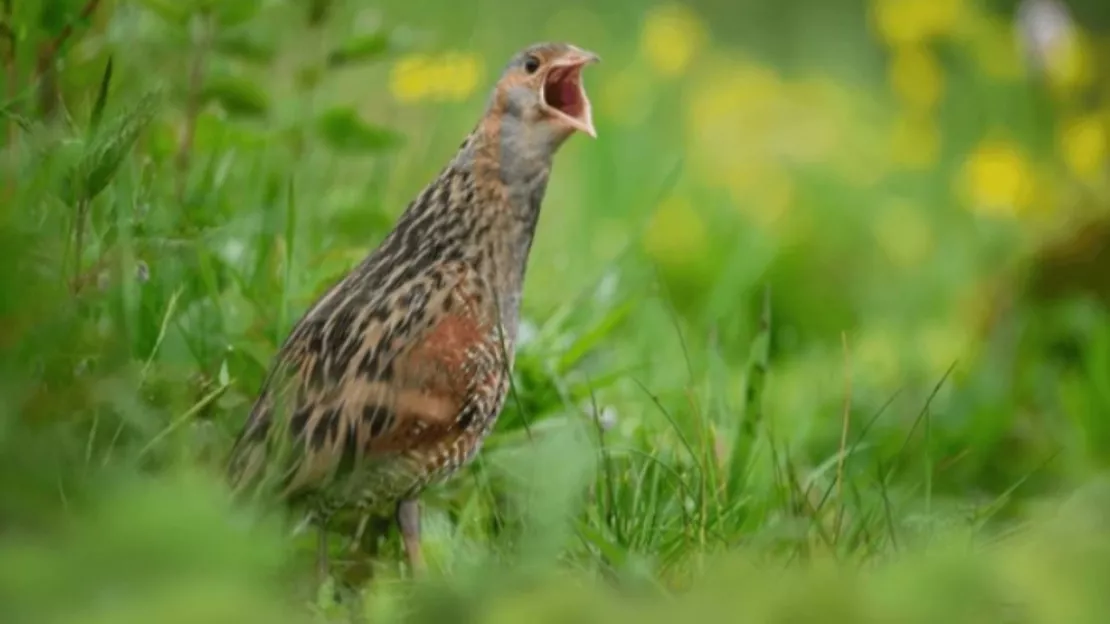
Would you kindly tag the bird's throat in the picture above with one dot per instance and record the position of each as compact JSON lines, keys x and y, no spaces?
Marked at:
{"x":510,"y":181}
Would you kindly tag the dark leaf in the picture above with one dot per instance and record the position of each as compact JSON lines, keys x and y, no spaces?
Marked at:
{"x":53,"y":17}
{"x":173,"y":11}
{"x":342,"y":130}
{"x":308,"y":78}
{"x":101,"y":98}
{"x":359,"y":49}
{"x":216,"y":134}
{"x":237,"y":96}
{"x":318,"y":11}
{"x":233,"y":13}
{"x":226,"y":13}
{"x":246,"y":48}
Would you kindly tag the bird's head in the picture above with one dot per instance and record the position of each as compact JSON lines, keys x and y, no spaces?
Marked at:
{"x":540,"y":93}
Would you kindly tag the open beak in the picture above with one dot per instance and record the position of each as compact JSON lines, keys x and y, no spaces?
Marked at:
{"x":563,"y":93}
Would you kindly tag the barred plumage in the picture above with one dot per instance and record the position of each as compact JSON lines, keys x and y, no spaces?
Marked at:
{"x":394,"y":377}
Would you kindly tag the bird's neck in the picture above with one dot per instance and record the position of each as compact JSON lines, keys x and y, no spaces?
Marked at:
{"x":508,"y":158}
{"x":510,"y":177}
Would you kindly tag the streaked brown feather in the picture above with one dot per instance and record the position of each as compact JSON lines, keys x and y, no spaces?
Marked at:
{"x":397,"y":373}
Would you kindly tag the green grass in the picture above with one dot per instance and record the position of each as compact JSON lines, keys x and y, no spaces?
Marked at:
{"x":714,"y":415}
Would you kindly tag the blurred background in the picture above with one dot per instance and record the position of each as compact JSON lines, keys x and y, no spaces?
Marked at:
{"x":832,"y":279}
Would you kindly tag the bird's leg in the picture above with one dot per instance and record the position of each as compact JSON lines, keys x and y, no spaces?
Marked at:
{"x":408,"y":519}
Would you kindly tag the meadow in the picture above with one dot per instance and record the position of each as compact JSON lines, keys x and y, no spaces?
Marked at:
{"x":816,"y":330}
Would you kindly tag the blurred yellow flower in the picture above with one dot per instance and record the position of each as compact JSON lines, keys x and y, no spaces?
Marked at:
{"x":672,"y":35}
{"x":862,"y":164}
{"x":748,"y":131}
{"x":675,"y":232}
{"x":904,"y":235}
{"x":997,"y":178}
{"x":915,"y":142}
{"x":816,"y":121}
{"x":916,"y":76}
{"x":447,"y":76}
{"x":733,"y":116}
{"x":989,"y":39}
{"x":1082,"y":143}
{"x":915,"y":21}
{"x":763,"y":192}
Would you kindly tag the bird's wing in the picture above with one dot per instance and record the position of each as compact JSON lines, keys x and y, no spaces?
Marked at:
{"x":362,"y":387}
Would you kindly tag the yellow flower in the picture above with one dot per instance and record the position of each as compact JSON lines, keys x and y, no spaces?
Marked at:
{"x":915,"y":21}
{"x":675,"y":232}
{"x":408,"y":79}
{"x":448,"y":76}
{"x":904,"y":235}
{"x":1083,"y":144}
{"x":672,"y":35}
{"x":997,"y":178}
{"x":915,"y":142}
{"x":916,"y":76}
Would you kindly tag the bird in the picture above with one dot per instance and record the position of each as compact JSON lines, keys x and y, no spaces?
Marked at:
{"x":392,"y":379}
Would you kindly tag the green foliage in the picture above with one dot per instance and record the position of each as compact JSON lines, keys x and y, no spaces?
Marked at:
{"x":238,"y":96}
{"x":725,"y":402}
{"x":107,"y":147}
{"x":360,"y":49}
{"x":226,"y":14}
{"x":342,"y":130}
{"x":246,"y":46}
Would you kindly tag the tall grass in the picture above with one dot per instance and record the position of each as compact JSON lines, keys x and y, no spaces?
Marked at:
{"x":713,"y":414}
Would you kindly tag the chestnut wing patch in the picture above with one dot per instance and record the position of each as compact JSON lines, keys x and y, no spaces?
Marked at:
{"x":423,"y":407}
{"x":433,"y":384}
{"x":406,"y":388}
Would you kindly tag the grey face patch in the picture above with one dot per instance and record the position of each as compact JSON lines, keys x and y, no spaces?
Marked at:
{"x":527,"y":142}
{"x":522,"y":102}
{"x":526,"y":149}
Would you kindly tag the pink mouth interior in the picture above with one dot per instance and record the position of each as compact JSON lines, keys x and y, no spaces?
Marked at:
{"x":562,"y":91}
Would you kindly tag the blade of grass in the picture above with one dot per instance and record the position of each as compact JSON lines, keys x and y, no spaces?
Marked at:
{"x":171,"y":307}
{"x":188,"y":415}
{"x":846,"y":419}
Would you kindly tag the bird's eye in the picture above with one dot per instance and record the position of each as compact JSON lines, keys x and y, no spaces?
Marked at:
{"x":531,"y":64}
